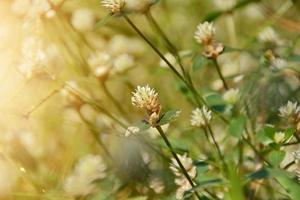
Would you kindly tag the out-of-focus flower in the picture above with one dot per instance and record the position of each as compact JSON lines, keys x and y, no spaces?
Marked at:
{"x":290,"y":111}
{"x":83,"y":20}
{"x":8,"y":177}
{"x":279,"y":137}
{"x":120,"y":44}
{"x":131,"y":130}
{"x":157,"y":185}
{"x":201,"y":116}
{"x":296,"y":155}
{"x":180,"y":179}
{"x":101,"y":64}
{"x":269,"y":35}
{"x":205,"y":33}
{"x":153,"y":132}
{"x":140,"y":6}
{"x":33,"y":56}
{"x":225,"y":5}
{"x":146,"y":98}
{"x":122,"y":63}
{"x":71,"y":96}
{"x":113,"y":6}
{"x":213,"y":50}
{"x":81,"y":182}
{"x":231,"y":96}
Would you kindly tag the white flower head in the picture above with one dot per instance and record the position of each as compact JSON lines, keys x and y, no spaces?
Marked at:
{"x":122,"y":63}
{"x":157,"y":185}
{"x":279,"y":137}
{"x":146,"y":98}
{"x":113,"y":6}
{"x":201,"y":116}
{"x":291,"y":109}
{"x":131,"y":130}
{"x":231,"y":96}
{"x":205,"y":33}
{"x":225,"y":5}
{"x":78,"y":186}
{"x":139,"y":5}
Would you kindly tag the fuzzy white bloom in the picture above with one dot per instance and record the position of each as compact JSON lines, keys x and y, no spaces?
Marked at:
{"x":231,"y":96}
{"x":138,"y":5}
{"x":120,"y":44}
{"x":113,"y":6}
{"x":289,"y":110}
{"x":131,"y":130}
{"x":205,"y":33}
{"x":101,"y":63}
{"x":8,"y":177}
{"x":157,"y":185}
{"x":269,"y":35}
{"x":83,"y":20}
{"x":145,"y":97}
{"x":225,"y":5}
{"x":200,"y":116}
{"x":279,"y":137}
{"x":89,"y":169}
{"x":180,"y":179}
{"x":122,"y":63}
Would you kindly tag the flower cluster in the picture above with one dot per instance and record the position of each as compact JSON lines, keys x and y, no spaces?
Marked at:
{"x":82,"y":181}
{"x":204,"y":35}
{"x":114,"y":6}
{"x":180,"y":179}
{"x":201,"y":117}
{"x":146,"y":98}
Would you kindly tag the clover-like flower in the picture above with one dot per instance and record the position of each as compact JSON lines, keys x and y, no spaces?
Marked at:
{"x":201,"y":116}
{"x":113,"y":6}
{"x":205,"y":33}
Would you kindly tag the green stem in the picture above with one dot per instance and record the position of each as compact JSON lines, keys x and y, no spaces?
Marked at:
{"x":220,"y":74}
{"x":162,"y":134}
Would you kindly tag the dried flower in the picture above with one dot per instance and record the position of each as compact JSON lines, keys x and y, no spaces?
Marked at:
{"x":205,"y":33}
{"x":279,"y":137}
{"x":213,"y":50}
{"x":201,"y":116}
{"x":113,"y":6}
{"x":231,"y":96}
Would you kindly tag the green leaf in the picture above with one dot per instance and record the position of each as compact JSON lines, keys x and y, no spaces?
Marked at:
{"x":215,"y":101}
{"x":213,"y":15}
{"x":276,"y":157}
{"x":237,"y":126}
{"x":168,"y":117}
{"x":288,"y":182}
{"x":260,"y":174}
{"x":103,"y":21}
{"x":294,"y":58}
{"x":289,"y":133}
{"x":198,"y":62}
